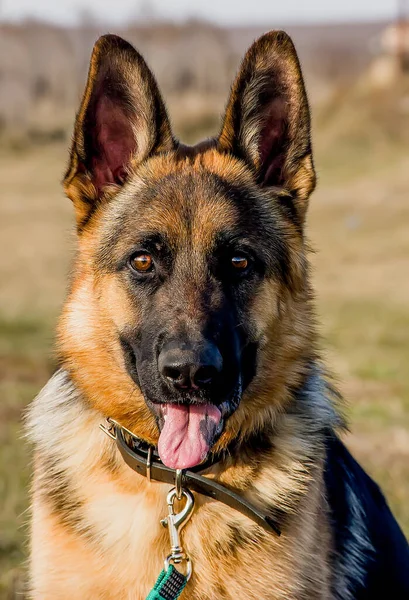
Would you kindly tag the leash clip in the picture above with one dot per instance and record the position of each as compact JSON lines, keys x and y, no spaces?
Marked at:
{"x":175,"y":522}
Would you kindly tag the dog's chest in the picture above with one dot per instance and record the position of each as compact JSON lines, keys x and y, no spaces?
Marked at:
{"x":131,"y":540}
{"x":220,"y":542}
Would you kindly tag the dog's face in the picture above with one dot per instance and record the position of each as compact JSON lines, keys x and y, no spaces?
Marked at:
{"x":188,"y":313}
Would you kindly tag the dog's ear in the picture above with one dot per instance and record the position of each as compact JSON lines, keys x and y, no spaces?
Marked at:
{"x":122,"y":120}
{"x":267,"y":120}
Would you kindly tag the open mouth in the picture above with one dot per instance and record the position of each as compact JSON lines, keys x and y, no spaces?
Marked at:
{"x":189,"y":431}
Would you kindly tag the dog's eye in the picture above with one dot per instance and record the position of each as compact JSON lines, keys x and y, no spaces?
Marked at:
{"x":239,"y":262}
{"x":141,"y":262}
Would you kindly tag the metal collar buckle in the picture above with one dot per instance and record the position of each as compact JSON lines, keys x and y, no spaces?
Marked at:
{"x":109,"y":428}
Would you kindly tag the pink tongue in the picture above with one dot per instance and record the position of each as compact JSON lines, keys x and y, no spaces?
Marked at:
{"x":187,"y":434}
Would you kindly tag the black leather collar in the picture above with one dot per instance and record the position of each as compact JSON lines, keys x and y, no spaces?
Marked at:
{"x":144,"y":459}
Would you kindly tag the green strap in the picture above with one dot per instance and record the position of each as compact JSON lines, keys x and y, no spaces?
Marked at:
{"x":169,"y":586}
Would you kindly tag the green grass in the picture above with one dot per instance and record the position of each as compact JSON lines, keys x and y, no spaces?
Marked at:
{"x":25,"y":365}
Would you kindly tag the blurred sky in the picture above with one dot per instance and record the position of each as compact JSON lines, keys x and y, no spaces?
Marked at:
{"x":221,"y":11}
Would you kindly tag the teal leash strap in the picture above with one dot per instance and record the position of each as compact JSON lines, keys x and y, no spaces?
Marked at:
{"x":169,"y":586}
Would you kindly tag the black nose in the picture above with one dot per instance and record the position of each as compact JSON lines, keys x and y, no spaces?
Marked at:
{"x":187,"y":367}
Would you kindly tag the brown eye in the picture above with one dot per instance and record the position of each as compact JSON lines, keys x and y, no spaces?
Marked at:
{"x":239,"y":262}
{"x":142,"y":262}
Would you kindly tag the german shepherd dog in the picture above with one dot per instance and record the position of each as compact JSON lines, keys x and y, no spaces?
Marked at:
{"x":189,"y":320}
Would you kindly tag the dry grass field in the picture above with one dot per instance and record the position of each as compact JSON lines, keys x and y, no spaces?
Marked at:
{"x":359,"y":229}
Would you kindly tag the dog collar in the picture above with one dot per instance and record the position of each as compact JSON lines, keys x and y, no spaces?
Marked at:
{"x":143,"y":458}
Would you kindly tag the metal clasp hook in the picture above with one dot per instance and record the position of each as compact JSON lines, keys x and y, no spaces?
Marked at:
{"x":175,"y":523}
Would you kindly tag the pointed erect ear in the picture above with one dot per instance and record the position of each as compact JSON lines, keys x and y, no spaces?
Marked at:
{"x":267,"y":121}
{"x":122,"y":120}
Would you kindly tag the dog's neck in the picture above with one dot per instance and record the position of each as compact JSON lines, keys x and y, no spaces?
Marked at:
{"x":276,"y":469}
{"x":310,"y":412}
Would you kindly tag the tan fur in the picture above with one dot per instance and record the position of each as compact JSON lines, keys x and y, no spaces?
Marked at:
{"x":121,"y":554}
{"x":96,"y":529}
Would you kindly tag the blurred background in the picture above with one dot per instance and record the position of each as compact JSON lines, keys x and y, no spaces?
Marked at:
{"x":355,"y":56}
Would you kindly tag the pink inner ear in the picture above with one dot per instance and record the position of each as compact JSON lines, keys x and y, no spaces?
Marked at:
{"x":271,"y":142}
{"x":116,"y":143}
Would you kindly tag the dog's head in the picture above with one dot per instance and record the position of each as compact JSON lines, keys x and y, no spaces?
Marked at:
{"x":188,"y":313}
